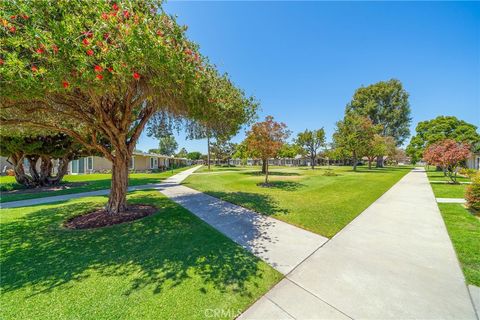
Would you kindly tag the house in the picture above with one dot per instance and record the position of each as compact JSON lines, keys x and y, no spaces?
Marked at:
{"x":473,"y":162}
{"x":140,"y":161}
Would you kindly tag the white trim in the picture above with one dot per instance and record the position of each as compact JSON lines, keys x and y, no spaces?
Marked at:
{"x":133,"y":164}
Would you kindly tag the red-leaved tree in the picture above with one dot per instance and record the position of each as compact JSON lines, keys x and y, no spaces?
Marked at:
{"x":447,"y":154}
{"x":265,"y":139}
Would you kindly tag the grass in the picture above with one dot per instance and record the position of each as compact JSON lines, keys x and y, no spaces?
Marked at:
{"x":464,"y":231}
{"x":301,"y":196}
{"x":170,"y":265}
{"x":90,"y":182}
{"x":446,"y":190}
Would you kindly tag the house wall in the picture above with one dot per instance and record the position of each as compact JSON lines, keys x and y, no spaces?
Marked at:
{"x":100,"y":163}
{"x":474,"y":162}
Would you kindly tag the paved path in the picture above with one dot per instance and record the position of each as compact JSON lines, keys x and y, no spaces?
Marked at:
{"x":280,"y":244}
{"x":394,"y":261}
{"x":451,"y":200}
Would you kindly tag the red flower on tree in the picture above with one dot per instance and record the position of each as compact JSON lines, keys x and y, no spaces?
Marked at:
{"x":136,"y":76}
{"x":99,"y":76}
{"x":98,"y":68}
{"x":115,"y":7}
{"x":85,"y":41}
{"x":40,"y":50}
{"x":34,"y":69}
{"x":90,"y":52}
{"x":12,"y":29}
{"x":110,"y":69}
{"x":104,"y":16}
{"x":55,"y":49}
{"x":126,"y":14}
{"x":65,"y":84}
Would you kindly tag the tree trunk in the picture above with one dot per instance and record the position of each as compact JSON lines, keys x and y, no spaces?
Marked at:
{"x":20,"y":176}
{"x":266,"y":173}
{"x":264,"y":166}
{"x":45,"y":170}
{"x":369,"y":163}
{"x":313,"y":162}
{"x":32,"y":161}
{"x":117,"y":201}
{"x":208,"y":151}
{"x":354,"y":161}
{"x":61,"y":171}
{"x":380,"y":161}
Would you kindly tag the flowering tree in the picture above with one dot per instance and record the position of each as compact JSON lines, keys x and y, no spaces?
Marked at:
{"x":447,"y":154}
{"x":265,"y":139}
{"x":98,"y":70}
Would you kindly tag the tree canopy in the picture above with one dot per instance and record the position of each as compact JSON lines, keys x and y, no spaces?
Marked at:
{"x":354,"y":135}
{"x":265,"y":139}
{"x":386,"y":104}
{"x":438,"y":129}
{"x":310,"y":141}
{"x":101,"y":70}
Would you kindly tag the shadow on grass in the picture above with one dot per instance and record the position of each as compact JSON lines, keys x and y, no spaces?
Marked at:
{"x":260,"y":203}
{"x":271,"y":173}
{"x":157,"y":252}
{"x":282,"y":185}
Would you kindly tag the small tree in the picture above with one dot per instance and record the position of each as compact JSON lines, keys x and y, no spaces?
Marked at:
{"x":167,"y":145}
{"x":182,"y":153}
{"x":266,"y":139}
{"x":375,"y":147}
{"x":223,"y":150}
{"x":447,"y":154}
{"x":40,"y":149}
{"x":241,"y":152}
{"x":354,"y":135}
{"x":311,"y":141}
{"x":289,"y":150}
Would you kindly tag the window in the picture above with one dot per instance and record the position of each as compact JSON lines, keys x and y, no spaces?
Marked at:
{"x":90,"y":163}
{"x":151,"y":163}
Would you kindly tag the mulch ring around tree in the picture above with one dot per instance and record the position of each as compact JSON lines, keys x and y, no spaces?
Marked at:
{"x":64,"y":186}
{"x":101,"y":218}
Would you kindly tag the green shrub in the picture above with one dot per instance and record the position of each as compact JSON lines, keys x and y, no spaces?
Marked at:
{"x":473,"y":193}
{"x":330,"y":173}
{"x":468,"y":172}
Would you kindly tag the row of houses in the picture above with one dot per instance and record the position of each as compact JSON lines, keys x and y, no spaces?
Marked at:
{"x":140,"y":162}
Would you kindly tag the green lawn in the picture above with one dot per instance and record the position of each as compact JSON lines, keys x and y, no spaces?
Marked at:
{"x":301,"y":196}
{"x":464,"y":230}
{"x":170,"y":265}
{"x":446,"y":190}
{"x":96,"y":181}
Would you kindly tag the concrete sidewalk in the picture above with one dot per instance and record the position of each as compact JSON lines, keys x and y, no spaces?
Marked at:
{"x":394,"y":261}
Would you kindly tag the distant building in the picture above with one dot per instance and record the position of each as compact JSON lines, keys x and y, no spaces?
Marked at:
{"x":473,"y":162}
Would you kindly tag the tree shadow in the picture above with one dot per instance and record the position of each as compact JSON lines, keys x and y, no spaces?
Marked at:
{"x":282,"y":185}
{"x":260,"y":203}
{"x":157,"y":252}
{"x":271,"y":173}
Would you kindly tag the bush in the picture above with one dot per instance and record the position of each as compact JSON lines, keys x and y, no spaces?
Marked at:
{"x":473,"y":193}
{"x":468,"y":172}
{"x":330,"y":173}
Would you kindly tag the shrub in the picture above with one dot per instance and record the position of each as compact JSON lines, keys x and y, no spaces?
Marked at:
{"x":468,"y":172}
{"x":330,"y":173}
{"x":473,"y":193}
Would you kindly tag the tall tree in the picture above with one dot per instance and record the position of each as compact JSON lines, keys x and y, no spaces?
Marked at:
{"x":311,"y":141}
{"x":241,"y":152}
{"x":386,"y":104}
{"x":223,"y":150}
{"x":265,"y":139}
{"x":438,"y":129}
{"x":182,"y":153}
{"x":354,"y":135}
{"x":101,"y":70}
{"x":194,"y":155}
{"x":167,"y":145}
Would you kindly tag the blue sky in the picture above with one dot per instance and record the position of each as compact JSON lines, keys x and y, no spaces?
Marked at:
{"x":304,"y":60}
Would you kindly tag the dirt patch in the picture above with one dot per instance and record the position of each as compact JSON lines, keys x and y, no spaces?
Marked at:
{"x":65,"y":186}
{"x":100,"y":218}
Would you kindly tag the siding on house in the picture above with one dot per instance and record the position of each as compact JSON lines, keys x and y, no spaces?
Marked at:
{"x":474,"y":161}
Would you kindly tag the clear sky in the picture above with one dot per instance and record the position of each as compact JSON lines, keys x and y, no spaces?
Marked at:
{"x":304,"y":60}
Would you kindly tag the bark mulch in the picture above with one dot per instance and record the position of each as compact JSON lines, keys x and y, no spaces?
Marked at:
{"x":101,"y":218}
